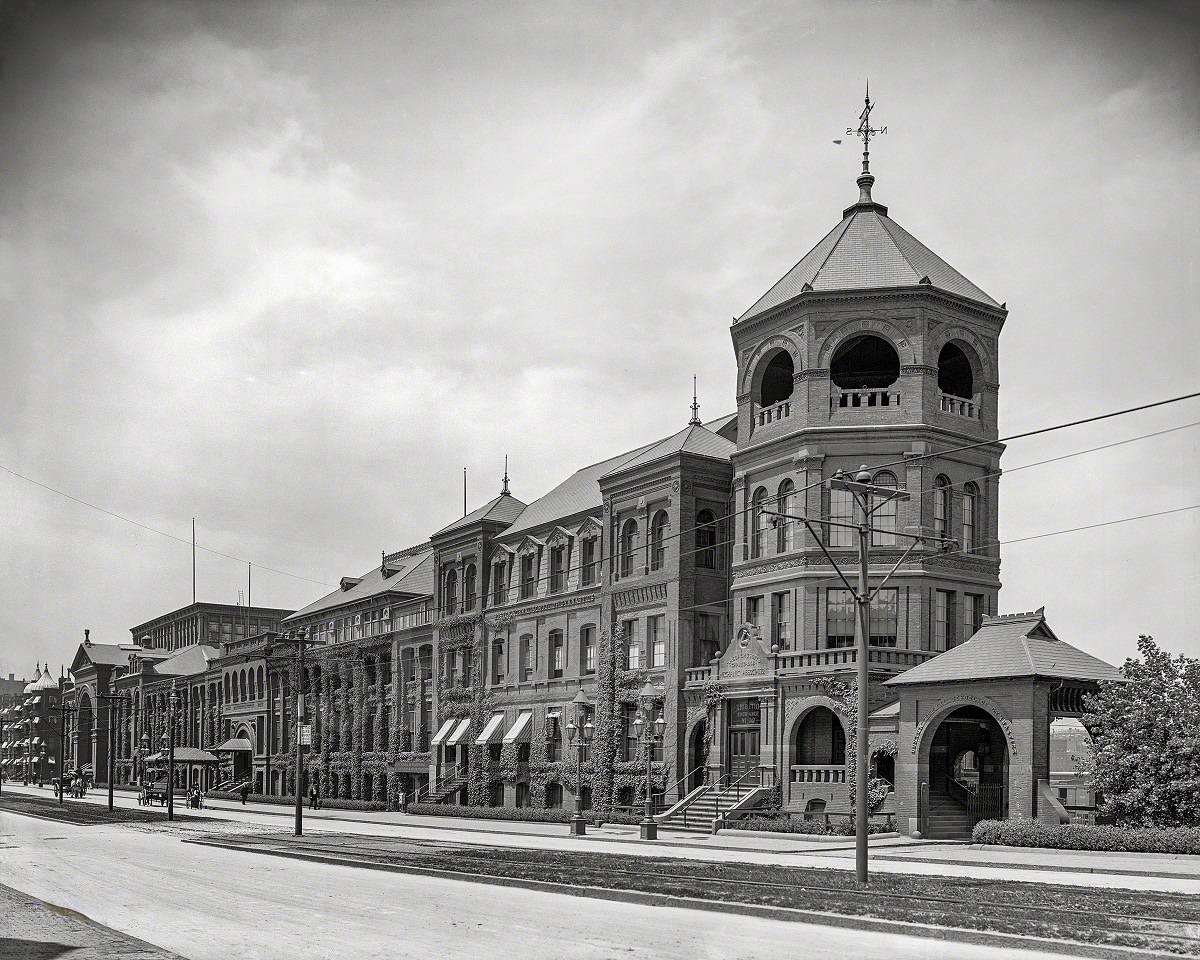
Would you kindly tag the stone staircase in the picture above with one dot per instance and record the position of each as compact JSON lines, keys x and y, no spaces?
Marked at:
{"x":696,"y":817}
{"x":948,"y":818}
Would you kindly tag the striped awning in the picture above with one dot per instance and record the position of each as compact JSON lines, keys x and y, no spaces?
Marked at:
{"x":459,"y":732}
{"x":491,"y":730}
{"x":443,"y":732}
{"x":519,"y":731}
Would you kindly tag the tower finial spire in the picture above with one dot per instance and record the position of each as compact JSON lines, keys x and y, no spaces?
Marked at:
{"x":504,"y":489}
{"x":695,"y":421}
{"x":865,"y":132}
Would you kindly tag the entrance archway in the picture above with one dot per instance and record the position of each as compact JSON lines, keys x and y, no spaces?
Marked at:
{"x":84,"y":726}
{"x":966,"y":768}
{"x":697,"y":756}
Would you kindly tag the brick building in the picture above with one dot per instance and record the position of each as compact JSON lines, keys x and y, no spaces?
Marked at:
{"x":693,"y":579}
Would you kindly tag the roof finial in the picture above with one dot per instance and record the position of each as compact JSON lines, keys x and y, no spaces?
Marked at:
{"x":695,"y":421}
{"x":504,"y":489}
{"x":866,"y":132}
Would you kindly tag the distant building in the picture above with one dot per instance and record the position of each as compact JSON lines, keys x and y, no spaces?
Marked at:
{"x":30,"y":724}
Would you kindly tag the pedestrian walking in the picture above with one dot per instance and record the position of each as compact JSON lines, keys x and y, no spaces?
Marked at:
{"x":402,"y":802}
{"x":245,"y":792}
{"x":314,"y":798}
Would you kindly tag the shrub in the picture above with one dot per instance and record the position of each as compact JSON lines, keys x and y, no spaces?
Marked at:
{"x":373,"y":805}
{"x":1078,"y":836}
{"x":526,"y":814}
{"x":786,"y":823}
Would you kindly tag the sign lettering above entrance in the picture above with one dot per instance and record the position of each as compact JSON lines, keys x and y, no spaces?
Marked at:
{"x":744,"y":713}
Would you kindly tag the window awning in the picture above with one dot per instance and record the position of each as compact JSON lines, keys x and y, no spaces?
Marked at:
{"x":519,"y":731}
{"x":491,"y":730}
{"x":459,"y":732}
{"x":443,"y":732}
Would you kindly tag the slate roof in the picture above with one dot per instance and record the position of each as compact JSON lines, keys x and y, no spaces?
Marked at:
{"x":413,"y":577}
{"x":1016,"y":645}
{"x":504,"y":509}
{"x":188,"y":662}
{"x":107,"y":654}
{"x":580,"y":492}
{"x":867,"y":250}
{"x":693,"y":439}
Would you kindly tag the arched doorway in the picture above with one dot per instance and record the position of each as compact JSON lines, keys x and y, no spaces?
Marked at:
{"x":967,"y":773}
{"x":84,"y":727}
{"x":820,"y":748}
{"x":698,"y":756}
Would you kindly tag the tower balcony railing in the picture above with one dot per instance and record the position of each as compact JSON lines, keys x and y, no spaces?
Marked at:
{"x":777,"y":411}
{"x":960,"y":407}
{"x":818,"y":661}
{"x":841,"y":399}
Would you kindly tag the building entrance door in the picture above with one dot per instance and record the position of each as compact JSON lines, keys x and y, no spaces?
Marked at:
{"x":744,"y":730}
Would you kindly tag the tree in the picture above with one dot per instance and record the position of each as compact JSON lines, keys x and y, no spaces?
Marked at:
{"x":1146,"y":735}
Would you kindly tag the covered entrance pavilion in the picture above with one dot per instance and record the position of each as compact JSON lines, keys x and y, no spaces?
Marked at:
{"x":975,"y":726}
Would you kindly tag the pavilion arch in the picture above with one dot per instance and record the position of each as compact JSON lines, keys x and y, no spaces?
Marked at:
{"x":929,"y":725}
{"x":773,"y":380}
{"x":85,"y":726}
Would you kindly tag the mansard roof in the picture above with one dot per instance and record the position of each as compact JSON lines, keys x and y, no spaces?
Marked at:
{"x":867,"y":251}
{"x":580,"y":492}
{"x":1009,"y":647}
{"x":503,"y":509}
{"x":410,"y":575}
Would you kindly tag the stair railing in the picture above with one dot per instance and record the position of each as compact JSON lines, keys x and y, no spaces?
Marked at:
{"x":736,"y":788}
{"x":683,"y":796}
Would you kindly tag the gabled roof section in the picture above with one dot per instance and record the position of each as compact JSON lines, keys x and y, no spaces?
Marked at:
{"x":411,"y":576}
{"x":187,"y":662}
{"x":103,"y":655}
{"x":1009,"y":647}
{"x":504,"y":509}
{"x":694,"y":439}
{"x":867,"y":251}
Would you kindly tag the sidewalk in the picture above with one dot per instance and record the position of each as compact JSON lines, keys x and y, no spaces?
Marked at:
{"x":889,"y":854}
{"x":31,"y":929}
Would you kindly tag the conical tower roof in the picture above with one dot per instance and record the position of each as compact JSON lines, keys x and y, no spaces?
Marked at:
{"x":867,"y":251}
{"x":45,"y":681}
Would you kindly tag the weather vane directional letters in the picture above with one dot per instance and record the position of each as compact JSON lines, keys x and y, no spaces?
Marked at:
{"x":865,"y":131}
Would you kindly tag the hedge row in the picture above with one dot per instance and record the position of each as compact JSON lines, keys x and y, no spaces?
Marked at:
{"x":526,"y":814}
{"x":291,"y":801}
{"x":1078,"y":836}
{"x":841,"y":827}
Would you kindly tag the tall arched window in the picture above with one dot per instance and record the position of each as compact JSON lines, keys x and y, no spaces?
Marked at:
{"x":883,"y":520}
{"x":628,"y":546}
{"x":261,"y":686}
{"x":251,"y":685}
{"x":451,"y":595}
{"x":469,"y":587}
{"x":226,"y":683}
{"x":658,"y":547}
{"x":970,"y":513}
{"x":786,"y":505}
{"x":242,"y":686}
{"x":706,"y":540}
{"x":941,"y":506}
{"x":758,"y":523}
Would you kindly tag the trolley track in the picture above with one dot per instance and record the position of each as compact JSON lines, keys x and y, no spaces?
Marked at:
{"x":1165,"y":923}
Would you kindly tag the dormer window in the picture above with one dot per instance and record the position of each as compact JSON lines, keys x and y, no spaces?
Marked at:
{"x":558,"y":568}
{"x":528,"y":576}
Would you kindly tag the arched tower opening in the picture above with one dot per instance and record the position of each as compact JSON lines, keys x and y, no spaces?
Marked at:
{"x":777,"y":380}
{"x":955,"y":376}
{"x":865,"y":362}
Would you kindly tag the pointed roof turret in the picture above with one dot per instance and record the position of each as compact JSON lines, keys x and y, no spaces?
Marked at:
{"x":867,"y":251}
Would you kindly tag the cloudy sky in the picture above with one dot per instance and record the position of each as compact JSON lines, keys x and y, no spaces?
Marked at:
{"x":288,"y":268}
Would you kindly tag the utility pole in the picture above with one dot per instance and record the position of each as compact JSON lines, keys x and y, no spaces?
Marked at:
{"x":868,"y":499}
{"x":171,"y":754}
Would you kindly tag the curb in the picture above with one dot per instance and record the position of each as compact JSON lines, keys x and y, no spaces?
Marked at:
{"x":1051,"y":868}
{"x":790,"y":914}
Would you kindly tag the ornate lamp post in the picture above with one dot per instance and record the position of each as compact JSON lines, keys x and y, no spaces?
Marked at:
{"x":300,"y":639}
{"x":584,"y":732}
{"x":654,"y":730}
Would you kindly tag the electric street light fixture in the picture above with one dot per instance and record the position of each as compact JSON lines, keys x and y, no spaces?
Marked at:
{"x":653,"y":731}
{"x":584,"y":732}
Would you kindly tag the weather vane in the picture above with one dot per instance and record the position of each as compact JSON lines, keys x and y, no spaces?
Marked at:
{"x":865,"y":131}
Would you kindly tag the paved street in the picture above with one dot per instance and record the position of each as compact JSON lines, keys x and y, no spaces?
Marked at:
{"x":208,"y":903}
{"x":1179,"y":874}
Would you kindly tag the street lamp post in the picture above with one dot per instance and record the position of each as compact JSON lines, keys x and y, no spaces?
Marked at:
{"x":579,"y":736}
{"x":300,"y":639}
{"x":654,"y":730}
{"x":171,"y":752}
